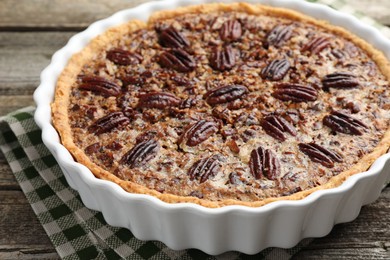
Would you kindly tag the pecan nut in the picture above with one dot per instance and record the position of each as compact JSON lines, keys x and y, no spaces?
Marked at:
{"x":231,"y":30}
{"x":276,"y":69}
{"x":343,"y":123}
{"x":248,"y":135}
{"x":172,"y":38}
{"x":204,"y":169}
{"x":223,"y":58}
{"x":263,"y":162}
{"x":225,"y":94}
{"x":109,"y":122}
{"x":181,"y":81}
{"x":198,"y":132}
{"x":222,"y":113}
{"x":232,"y":144}
{"x":295,"y":92}
{"x":338,"y":54}
{"x":158,"y":100}
{"x":276,"y":126}
{"x":316,"y":45}
{"x":178,"y":60}
{"x":141,"y":153}
{"x":320,"y":154}
{"x":122,"y":57}
{"x":278,"y":36}
{"x":100,"y":85}
{"x":187,"y":103}
{"x":114,"y":146}
{"x":93,"y":148}
{"x":132,"y":80}
{"x":339,"y":80}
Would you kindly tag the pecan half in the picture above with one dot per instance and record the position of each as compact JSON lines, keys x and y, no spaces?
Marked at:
{"x":278,"y":36}
{"x":276,"y":126}
{"x":263,"y":162}
{"x":141,"y":153}
{"x":222,"y":58}
{"x":275,"y":70}
{"x":316,"y":45}
{"x":100,"y":85}
{"x":319,"y":154}
{"x":343,"y":123}
{"x":204,"y":169}
{"x":295,"y":92}
{"x":158,"y":100}
{"x":198,"y":132}
{"x":109,"y":122}
{"x":224,"y":94}
{"x":123,"y":57}
{"x":178,"y":60}
{"x":339,"y":80}
{"x":231,"y":30}
{"x":172,"y":38}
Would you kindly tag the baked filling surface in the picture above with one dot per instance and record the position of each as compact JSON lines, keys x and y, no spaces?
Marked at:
{"x":225,"y":104}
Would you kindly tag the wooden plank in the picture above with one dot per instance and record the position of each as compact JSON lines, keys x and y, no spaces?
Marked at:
{"x":7,"y":180}
{"x":347,"y":253}
{"x":12,"y":103}
{"x":77,"y":14}
{"x":58,"y":14}
{"x":21,"y":234}
{"x":23,"y":56}
{"x":366,"y":237}
{"x":25,"y":252}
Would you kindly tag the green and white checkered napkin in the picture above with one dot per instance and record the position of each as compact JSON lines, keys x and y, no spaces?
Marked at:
{"x":78,"y":232}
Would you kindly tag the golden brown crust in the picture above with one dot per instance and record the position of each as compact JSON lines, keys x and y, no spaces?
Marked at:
{"x":68,"y":77}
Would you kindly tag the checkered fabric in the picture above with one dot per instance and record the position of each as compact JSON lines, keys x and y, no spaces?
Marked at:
{"x":80,"y":233}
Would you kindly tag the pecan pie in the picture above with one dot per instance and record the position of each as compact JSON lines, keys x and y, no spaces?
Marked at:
{"x":225,"y":104}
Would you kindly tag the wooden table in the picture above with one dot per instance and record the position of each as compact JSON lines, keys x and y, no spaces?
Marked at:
{"x":30,"y":32}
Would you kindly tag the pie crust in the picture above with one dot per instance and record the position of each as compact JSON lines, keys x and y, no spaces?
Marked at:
{"x":71,"y":74}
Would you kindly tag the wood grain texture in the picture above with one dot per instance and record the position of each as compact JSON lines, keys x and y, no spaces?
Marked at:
{"x":23,"y":56}
{"x":31,"y":31}
{"x":78,"y":14}
{"x":7,"y":180}
{"x":12,"y":103}
{"x":57,"y":14}
{"x":367,"y":237}
{"x":21,"y":234}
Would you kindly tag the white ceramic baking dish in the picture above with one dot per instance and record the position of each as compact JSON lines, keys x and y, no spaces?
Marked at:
{"x":212,"y":230}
